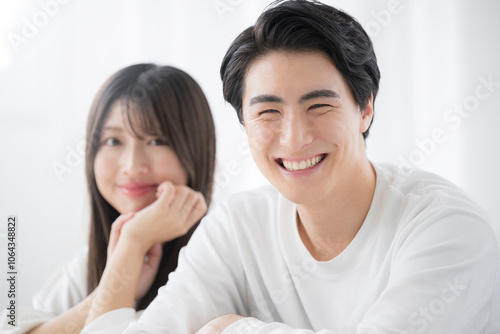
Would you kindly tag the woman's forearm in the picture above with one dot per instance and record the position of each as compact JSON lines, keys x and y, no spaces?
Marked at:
{"x":119,"y":280}
{"x":69,"y":322}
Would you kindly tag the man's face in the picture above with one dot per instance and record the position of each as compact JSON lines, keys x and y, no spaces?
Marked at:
{"x":304,"y":127}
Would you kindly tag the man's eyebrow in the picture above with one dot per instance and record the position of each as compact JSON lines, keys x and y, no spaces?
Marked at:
{"x":265,"y":98}
{"x":319,"y":93}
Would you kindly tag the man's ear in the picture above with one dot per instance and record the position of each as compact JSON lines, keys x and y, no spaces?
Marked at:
{"x":366,"y":116}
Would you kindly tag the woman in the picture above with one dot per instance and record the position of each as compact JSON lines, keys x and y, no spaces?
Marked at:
{"x":150,"y":159}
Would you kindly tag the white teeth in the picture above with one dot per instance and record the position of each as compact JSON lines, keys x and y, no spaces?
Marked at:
{"x":300,"y":165}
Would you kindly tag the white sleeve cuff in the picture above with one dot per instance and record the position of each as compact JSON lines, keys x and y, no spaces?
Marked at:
{"x":27,"y":320}
{"x":111,"y":322}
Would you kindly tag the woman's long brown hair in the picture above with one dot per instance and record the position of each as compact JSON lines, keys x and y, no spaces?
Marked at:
{"x":159,"y":101}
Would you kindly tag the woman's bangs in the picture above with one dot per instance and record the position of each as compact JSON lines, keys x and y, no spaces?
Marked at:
{"x":143,"y":120}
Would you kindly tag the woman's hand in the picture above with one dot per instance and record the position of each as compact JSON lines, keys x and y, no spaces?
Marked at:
{"x":116,"y":229}
{"x":175,"y":211}
{"x":151,"y":260}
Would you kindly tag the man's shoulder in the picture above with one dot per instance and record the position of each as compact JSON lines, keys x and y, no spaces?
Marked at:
{"x":419,"y":183}
{"x":425,"y":196}
{"x":422,"y":198}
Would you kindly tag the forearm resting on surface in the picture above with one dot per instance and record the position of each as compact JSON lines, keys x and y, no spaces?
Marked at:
{"x":69,"y":322}
{"x":218,"y":325}
{"x":119,"y":281}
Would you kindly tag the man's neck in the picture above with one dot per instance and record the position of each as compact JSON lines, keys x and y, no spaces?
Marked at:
{"x":328,"y":227}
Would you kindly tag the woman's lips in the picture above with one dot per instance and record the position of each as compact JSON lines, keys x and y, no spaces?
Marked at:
{"x":136,"y":189}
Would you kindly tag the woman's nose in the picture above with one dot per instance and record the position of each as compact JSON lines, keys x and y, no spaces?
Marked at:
{"x":134,"y":161}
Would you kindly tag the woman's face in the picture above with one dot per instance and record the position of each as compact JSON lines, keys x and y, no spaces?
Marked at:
{"x":129,"y":169}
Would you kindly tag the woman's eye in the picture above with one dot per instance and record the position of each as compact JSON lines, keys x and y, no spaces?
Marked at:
{"x":111,"y":142}
{"x":158,"y":142}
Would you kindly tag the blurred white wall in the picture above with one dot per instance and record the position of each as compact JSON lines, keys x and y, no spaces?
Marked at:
{"x":435,"y":109}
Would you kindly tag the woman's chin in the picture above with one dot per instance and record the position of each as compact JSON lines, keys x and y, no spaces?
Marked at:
{"x":133,"y":207}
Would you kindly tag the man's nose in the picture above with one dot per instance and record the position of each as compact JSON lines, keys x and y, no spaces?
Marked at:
{"x":296,"y":131}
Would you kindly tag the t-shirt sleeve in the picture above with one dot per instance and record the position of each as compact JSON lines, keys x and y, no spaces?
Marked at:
{"x":64,"y":290}
{"x":204,"y":285}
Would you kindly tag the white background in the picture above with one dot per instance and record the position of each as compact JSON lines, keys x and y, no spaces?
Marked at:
{"x":432,"y":55}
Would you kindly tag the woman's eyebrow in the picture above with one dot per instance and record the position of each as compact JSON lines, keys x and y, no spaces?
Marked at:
{"x":112,"y":128}
{"x":319,"y":93}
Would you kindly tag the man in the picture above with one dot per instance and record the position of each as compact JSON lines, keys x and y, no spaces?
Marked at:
{"x":339,"y":244}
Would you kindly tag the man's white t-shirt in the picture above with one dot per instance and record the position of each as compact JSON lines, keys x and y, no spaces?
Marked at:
{"x":424,"y":261}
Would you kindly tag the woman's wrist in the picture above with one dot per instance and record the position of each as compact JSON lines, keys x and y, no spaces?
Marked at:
{"x":118,"y":283}
{"x":132,"y":240}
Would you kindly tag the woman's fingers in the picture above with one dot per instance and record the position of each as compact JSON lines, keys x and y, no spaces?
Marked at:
{"x":189,"y":205}
{"x":182,"y":199}
{"x":176,"y":210}
{"x":195,"y":207}
{"x":182,"y":194}
{"x":201,"y":206}
{"x":116,"y":228}
{"x":165,"y":192}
